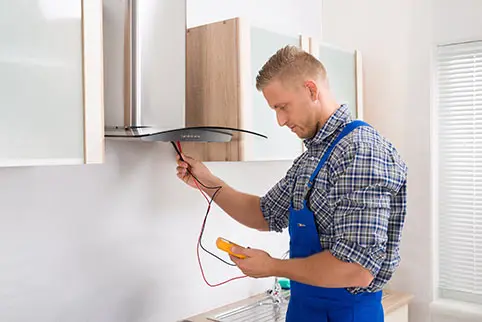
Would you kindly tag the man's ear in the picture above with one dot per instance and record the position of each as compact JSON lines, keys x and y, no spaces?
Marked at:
{"x":313,"y":89}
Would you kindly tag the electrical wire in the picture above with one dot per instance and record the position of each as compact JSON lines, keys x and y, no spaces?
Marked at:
{"x":217,"y":188}
{"x":199,"y":242}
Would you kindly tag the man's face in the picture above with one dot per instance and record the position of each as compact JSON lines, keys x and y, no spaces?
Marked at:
{"x":294,"y":107}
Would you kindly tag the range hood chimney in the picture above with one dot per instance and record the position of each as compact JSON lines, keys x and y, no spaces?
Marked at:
{"x":133,"y":127}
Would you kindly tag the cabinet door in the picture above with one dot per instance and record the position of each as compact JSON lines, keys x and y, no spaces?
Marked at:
{"x":51,"y":82}
{"x":281,"y":144}
{"x":344,"y":74}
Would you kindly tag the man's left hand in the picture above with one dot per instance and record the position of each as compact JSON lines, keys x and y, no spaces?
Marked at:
{"x":257,"y":264}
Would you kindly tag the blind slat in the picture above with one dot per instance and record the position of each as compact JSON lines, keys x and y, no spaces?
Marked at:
{"x":468,"y":60}
{"x":455,"y":79}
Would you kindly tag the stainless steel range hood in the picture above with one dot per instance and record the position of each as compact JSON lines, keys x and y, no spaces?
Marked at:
{"x":145,"y":24}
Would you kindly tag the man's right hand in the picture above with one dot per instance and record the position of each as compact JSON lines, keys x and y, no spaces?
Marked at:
{"x":197,"y":168}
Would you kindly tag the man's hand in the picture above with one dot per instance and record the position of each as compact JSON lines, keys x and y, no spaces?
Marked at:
{"x":257,"y":264}
{"x":196,"y":168}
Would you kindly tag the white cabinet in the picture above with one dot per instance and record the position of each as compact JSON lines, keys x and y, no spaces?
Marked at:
{"x":282,"y":144}
{"x":51,"y":82}
{"x":344,"y":71}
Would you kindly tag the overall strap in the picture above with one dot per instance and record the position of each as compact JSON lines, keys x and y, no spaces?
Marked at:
{"x":348,"y":128}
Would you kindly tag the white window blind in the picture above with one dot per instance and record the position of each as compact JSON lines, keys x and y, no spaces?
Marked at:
{"x":459,"y":102}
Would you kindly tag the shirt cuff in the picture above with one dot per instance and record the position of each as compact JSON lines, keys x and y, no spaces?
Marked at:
{"x":371,"y":258}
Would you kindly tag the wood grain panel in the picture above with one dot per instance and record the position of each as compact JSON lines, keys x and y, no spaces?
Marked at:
{"x":213,"y":86}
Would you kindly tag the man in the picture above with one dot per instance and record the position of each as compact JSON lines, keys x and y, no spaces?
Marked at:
{"x":343,"y":200}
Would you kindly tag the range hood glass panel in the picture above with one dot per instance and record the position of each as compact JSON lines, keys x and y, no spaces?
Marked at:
{"x":197,"y":134}
{"x":191,"y":134}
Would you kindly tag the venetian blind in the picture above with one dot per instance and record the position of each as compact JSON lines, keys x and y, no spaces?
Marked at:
{"x":459,"y":103}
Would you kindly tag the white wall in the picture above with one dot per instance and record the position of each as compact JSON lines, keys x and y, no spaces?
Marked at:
{"x":285,"y":16}
{"x":116,"y":242}
{"x":394,"y":39}
{"x":456,"y":20}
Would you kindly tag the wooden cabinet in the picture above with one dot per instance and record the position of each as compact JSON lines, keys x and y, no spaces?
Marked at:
{"x":51,"y":82}
{"x":222,"y":61}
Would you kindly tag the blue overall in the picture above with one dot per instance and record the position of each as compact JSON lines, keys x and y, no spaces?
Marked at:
{"x":317,"y":304}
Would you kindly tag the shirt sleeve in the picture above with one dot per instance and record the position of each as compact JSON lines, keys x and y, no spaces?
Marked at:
{"x":276,"y":202}
{"x":368,"y":176}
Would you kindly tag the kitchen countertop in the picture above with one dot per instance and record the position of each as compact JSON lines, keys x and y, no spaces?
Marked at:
{"x":392,"y":300}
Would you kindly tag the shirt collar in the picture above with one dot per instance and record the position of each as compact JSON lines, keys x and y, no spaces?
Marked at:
{"x":339,"y":118}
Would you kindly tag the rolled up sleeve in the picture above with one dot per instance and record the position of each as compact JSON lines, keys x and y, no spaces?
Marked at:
{"x":367,"y":178}
{"x":361,"y":236}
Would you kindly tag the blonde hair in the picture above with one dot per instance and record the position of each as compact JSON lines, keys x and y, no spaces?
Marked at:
{"x":289,"y":64}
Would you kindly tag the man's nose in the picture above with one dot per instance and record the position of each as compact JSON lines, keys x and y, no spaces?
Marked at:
{"x":281,"y":119}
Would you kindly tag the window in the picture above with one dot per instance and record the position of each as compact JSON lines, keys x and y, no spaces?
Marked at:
{"x":459,"y":136}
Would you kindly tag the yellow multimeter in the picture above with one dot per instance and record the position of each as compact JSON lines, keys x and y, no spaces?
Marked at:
{"x":225,"y":245}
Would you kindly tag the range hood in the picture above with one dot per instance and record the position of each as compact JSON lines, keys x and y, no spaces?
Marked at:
{"x":138,"y":34}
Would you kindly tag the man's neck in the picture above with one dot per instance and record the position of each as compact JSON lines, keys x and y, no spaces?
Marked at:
{"x":328,"y":110}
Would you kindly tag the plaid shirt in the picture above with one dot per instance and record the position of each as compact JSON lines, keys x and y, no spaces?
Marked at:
{"x":358,"y":198}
